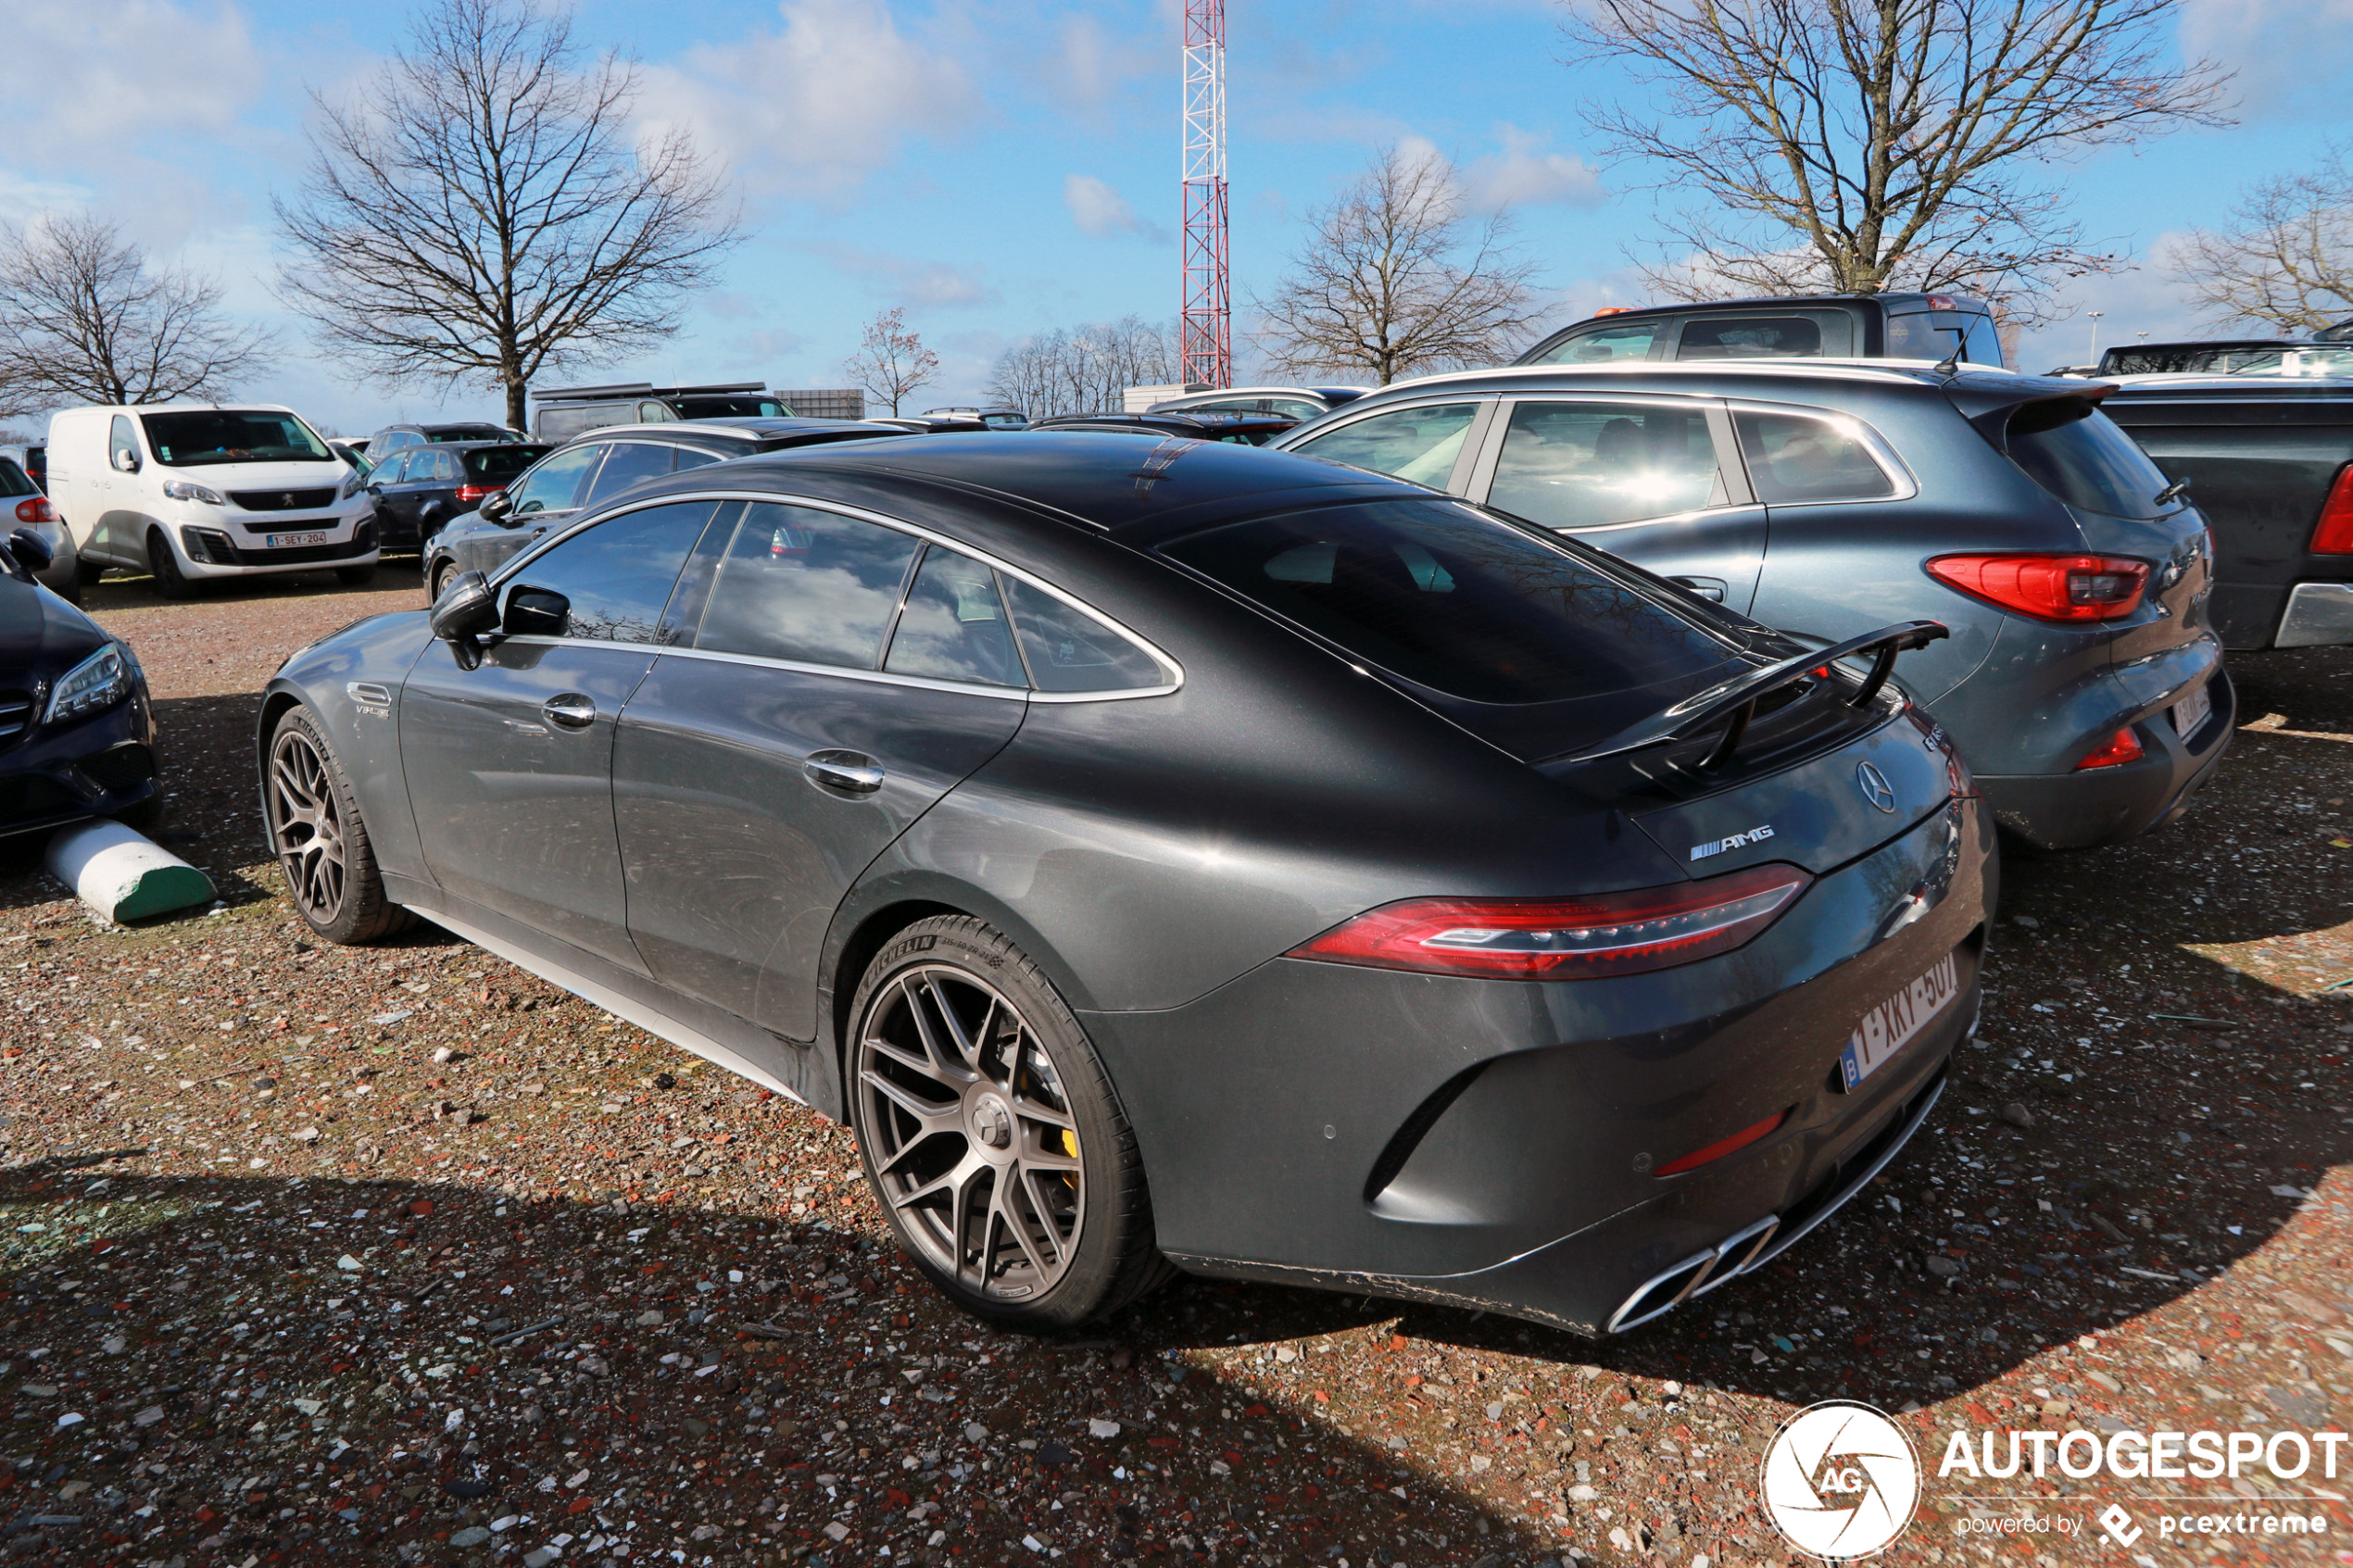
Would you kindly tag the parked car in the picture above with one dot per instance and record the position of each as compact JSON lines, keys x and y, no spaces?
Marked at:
{"x":565,"y":412}
{"x":1290,"y":402}
{"x":1272,"y":870}
{"x":928,"y":424}
{"x":395,"y":438}
{"x":1247,"y":429}
{"x":417,"y":490}
{"x":34,"y":458}
{"x":77,"y":731}
{"x":192,"y":492}
{"x":584,"y":472}
{"x":2081,"y":678}
{"x":1887,"y":326}
{"x":2213,"y":357}
{"x":23,"y":506}
{"x":2269,"y":460}
{"x":995,"y":416}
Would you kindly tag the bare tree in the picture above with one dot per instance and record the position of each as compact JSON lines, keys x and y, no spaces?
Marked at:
{"x":1398,"y":277}
{"x":891,"y":362}
{"x":478,"y":212}
{"x":2288,"y":259}
{"x":84,"y":319}
{"x":1864,"y":145}
{"x":1083,"y":370}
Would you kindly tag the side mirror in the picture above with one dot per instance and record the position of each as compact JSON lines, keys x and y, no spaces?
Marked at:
{"x":496,"y":507}
{"x":126,"y":462}
{"x":29,"y":550}
{"x":464,"y":612}
{"x":537,"y":613}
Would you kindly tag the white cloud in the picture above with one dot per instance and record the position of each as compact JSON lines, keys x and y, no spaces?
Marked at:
{"x":2290,"y":56}
{"x":87,"y":82}
{"x":817,"y":106}
{"x":1090,"y":66}
{"x":1103,"y":212}
{"x":910,"y":281}
{"x":1527,"y":173}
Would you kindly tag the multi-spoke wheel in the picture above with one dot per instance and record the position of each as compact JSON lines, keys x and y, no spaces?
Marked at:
{"x":990,"y":1133}
{"x":320,"y":842}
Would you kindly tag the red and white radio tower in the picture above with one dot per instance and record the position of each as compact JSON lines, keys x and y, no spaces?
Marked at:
{"x":1206,"y":337}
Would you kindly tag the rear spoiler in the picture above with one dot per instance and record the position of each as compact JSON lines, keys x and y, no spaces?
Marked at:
{"x":1988,"y":403}
{"x":1738,"y":697}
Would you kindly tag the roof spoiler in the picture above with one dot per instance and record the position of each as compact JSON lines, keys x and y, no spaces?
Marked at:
{"x":1989,"y":402}
{"x":638,"y":389}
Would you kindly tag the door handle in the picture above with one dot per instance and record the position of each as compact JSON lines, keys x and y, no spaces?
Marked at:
{"x":1705,"y":587}
{"x":570,"y":711}
{"x":852,"y":773}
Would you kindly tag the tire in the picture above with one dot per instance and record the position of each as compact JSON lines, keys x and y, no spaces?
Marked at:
{"x":87,"y":572}
{"x":170,"y":581}
{"x":442,"y":573}
{"x":356,"y":576}
{"x":954,"y":1112}
{"x":322,"y":844}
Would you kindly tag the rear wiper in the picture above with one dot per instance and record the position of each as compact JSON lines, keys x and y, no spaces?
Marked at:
{"x":1738,"y":697}
{"x":2171,"y":493}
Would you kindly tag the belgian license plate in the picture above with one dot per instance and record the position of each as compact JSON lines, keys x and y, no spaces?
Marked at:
{"x":2193,"y":710}
{"x":1892,"y":1025}
{"x":291,"y":541}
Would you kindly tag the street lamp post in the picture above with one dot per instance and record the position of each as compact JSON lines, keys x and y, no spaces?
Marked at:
{"x":2094,"y":355}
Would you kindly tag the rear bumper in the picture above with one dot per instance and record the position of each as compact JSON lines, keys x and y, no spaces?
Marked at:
{"x":2106,"y":805}
{"x":2317,"y":615}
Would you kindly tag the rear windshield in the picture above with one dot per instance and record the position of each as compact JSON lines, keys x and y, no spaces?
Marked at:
{"x":2080,"y":455}
{"x":1455,"y":600}
{"x":232,"y":435}
{"x":731,"y":409}
{"x":13,"y":482}
{"x":503,"y":462}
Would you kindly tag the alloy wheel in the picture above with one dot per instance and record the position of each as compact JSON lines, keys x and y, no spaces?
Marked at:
{"x":971,"y":1133}
{"x":307,"y":826}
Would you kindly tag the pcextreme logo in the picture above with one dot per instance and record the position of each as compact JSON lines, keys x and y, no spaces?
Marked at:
{"x":1840,"y":1480}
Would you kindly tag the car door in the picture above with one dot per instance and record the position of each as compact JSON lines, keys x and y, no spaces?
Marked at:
{"x":843,"y":675}
{"x":386,"y":498}
{"x":510,"y":764}
{"x":544,"y":497}
{"x":434,"y":474}
{"x":1646,"y":479}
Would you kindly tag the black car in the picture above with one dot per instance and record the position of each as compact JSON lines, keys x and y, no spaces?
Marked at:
{"x":1883,"y":326}
{"x":587,"y":471}
{"x":1248,"y":430}
{"x":77,"y":731}
{"x":1184,"y":853}
{"x":418,"y":489}
{"x":395,"y":438}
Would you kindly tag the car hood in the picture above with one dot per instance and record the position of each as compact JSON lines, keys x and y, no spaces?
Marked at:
{"x":260,"y":476}
{"x":41,"y":635}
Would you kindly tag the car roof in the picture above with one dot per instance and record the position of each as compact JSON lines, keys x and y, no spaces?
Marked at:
{"x":1175,"y":420}
{"x":686,"y":431}
{"x":1885,"y":372}
{"x":1340,"y":391}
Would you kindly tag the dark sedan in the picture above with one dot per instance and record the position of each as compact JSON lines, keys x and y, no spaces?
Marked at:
{"x":590,"y":468}
{"x":418,"y":489}
{"x":1245,"y":429}
{"x":1167,"y":853}
{"x":77,"y":733}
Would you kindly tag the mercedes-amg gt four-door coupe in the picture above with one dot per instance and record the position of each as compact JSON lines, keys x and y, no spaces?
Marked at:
{"x":1176,"y":855}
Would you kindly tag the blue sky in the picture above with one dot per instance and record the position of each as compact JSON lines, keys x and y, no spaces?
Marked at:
{"x":1000,"y":171}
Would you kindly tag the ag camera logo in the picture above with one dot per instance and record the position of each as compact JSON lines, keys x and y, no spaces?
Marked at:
{"x":1840,"y":1480}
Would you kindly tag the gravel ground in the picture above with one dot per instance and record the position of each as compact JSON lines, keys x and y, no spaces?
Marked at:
{"x":398,"y":1255}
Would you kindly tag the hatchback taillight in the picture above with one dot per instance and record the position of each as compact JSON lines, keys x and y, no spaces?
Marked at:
{"x":478,"y":492}
{"x":1565,"y":939}
{"x":2049,"y":587}
{"x":2122,"y":747}
{"x":2333,"y":535}
{"x":37,"y":509}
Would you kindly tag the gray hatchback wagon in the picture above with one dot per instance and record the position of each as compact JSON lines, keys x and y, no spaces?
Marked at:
{"x":1825,"y":497}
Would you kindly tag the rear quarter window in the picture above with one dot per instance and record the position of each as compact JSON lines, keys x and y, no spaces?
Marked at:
{"x":2080,"y":455}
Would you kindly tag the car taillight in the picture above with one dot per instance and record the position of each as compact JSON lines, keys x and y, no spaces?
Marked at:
{"x":2049,"y":587}
{"x":2333,"y":535}
{"x":2122,"y":747}
{"x":37,"y":509}
{"x":1565,"y":939}
{"x":478,"y":492}
{"x":1716,"y":1151}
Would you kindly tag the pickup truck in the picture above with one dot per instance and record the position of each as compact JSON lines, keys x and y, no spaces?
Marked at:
{"x":2269,"y":461}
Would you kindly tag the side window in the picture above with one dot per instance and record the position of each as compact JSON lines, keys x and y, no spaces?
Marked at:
{"x":1606,"y":345}
{"x":1069,"y":650}
{"x":617,"y":574}
{"x":631,"y":462}
{"x":1585,"y":465}
{"x":391,"y":469}
{"x":654,"y":413}
{"x":121,"y":438}
{"x":1417,"y":444}
{"x":551,"y":486}
{"x":807,"y":585}
{"x":1981,"y":343}
{"x":1799,"y":458}
{"x":1765,"y":337}
{"x":954,"y":627}
{"x":1290,"y":408}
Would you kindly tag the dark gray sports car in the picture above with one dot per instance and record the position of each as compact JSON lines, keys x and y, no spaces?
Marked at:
{"x":1173,"y":854}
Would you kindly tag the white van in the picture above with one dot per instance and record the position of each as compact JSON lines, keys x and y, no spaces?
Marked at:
{"x":192,"y":490}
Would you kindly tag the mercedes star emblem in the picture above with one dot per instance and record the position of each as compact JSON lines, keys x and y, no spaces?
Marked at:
{"x":1874,"y":786}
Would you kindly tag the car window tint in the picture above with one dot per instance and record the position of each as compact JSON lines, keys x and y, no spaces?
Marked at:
{"x":1605,"y":346}
{"x":1417,"y":444}
{"x":551,"y":486}
{"x":1292,"y":408}
{"x":690,"y":458}
{"x":502,"y":462}
{"x":13,"y":481}
{"x":1796,"y":457}
{"x":2071,"y":450}
{"x":618,"y":573}
{"x":1914,"y":336}
{"x":1454,"y":600}
{"x":631,"y":462}
{"x":954,"y":627}
{"x":390,"y":469}
{"x":1585,"y":465}
{"x":1752,"y":337}
{"x":1069,"y":650}
{"x":809,"y":585}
